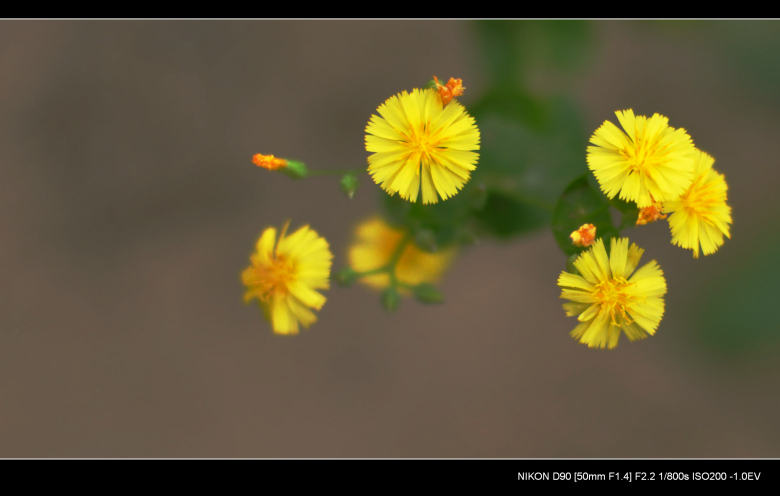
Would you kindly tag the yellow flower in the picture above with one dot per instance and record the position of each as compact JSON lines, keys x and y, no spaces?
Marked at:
{"x":649,"y":162}
{"x":584,"y":236}
{"x":700,"y":216}
{"x":285,"y":275}
{"x":650,"y":214}
{"x":608,"y":298}
{"x":453,"y":88}
{"x":419,"y":141}
{"x":269,"y":162}
{"x":375,"y":245}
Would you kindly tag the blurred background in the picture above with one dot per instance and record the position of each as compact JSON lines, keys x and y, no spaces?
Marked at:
{"x":129,"y":206}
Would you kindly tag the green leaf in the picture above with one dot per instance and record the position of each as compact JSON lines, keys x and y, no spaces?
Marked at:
{"x":629,"y":219}
{"x":629,"y":210}
{"x":477,"y":196}
{"x":511,"y":102}
{"x":580,"y":204}
{"x":570,"y":264}
{"x":529,"y":163}
{"x":505,"y":217}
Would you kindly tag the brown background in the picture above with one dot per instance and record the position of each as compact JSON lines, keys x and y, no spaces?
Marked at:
{"x":129,"y":206}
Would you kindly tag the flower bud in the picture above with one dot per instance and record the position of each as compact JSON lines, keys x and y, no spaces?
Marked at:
{"x":584,"y":236}
{"x":349,"y":184}
{"x":346,"y":277}
{"x":428,"y":293}
{"x":391,"y":300}
{"x":295,"y":169}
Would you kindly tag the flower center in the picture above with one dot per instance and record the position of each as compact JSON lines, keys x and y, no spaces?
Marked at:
{"x":701,"y":198}
{"x":644,"y":154}
{"x":274,"y":277}
{"x":423,"y":142}
{"x":611,"y":294}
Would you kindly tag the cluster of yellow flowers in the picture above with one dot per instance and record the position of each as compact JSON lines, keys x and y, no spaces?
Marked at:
{"x":421,"y":142}
{"x":657,"y":167}
{"x":424,"y":144}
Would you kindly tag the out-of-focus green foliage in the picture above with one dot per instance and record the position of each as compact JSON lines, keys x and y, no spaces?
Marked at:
{"x":737,"y":313}
{"x":532,"y":161}
{"x":525,"y":165}
{"x":532,"y":144}
{"x":629,"y":210}
{"x":515,"y":51}
{"x":506,"y":217}
{"x":435,"y":225}
{"x":752,"y":52}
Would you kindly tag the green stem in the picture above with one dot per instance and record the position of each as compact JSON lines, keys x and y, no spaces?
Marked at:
{"x":396,"y":256}
{"x":333,"y":172}
{"x":372,"y":272}
{"x":389,"y":267}
{"x":399,"y":250}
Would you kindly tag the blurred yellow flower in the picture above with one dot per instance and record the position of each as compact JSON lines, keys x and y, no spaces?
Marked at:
{"x":285,"y":275}
{"x":420,"y":143}
{"x":701,"y":216}
{"x":649,"y":162}
{"x":375,"y":245}
{"x":608,"y":299}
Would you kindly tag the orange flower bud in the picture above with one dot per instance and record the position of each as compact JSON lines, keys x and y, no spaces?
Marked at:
{"x":269,"y":162}
{"x":453,"y":88}
{"x":584,"y":236}
{"x":650,"y":214}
